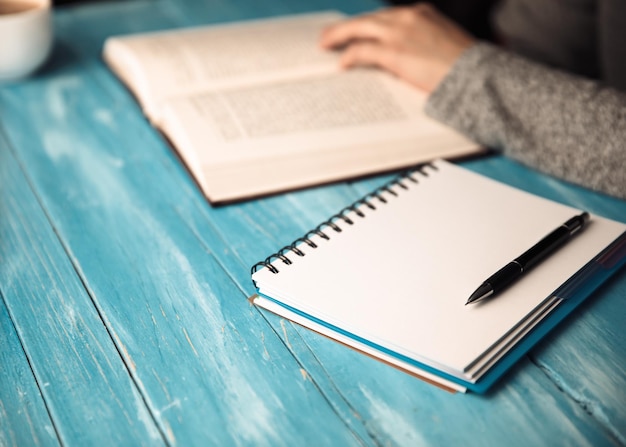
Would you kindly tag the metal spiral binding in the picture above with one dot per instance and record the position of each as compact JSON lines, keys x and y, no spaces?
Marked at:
{"x":366,"y":200}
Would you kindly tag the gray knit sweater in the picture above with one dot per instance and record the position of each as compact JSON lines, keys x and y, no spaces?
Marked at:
{"x":562,"y":124}
{"x":566,"y":126}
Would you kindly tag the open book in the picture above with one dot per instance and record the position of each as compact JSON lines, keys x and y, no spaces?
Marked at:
{"x":257,"y":107}
{"x":391,"y":274}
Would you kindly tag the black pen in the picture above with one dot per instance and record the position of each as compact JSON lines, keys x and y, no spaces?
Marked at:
{"x":541,"y":250}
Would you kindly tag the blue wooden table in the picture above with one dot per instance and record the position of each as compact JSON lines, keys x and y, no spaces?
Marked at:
{"x":123,"y":312}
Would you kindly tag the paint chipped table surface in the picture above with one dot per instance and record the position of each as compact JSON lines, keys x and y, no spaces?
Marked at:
{"x":123,"y":312}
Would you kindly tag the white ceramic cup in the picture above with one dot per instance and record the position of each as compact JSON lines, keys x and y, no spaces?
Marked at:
{"x":25,"y":36}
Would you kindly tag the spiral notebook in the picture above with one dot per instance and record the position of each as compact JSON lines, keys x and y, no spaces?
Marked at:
{"x":390,"y":274}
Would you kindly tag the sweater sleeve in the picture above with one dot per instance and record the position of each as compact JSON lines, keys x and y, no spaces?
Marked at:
{"x":561,"y":124}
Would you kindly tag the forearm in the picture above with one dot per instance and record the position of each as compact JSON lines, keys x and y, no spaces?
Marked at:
{"x":563,"y":125}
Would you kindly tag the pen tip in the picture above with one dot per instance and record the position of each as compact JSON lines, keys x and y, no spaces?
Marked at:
{"x":481,"y":293}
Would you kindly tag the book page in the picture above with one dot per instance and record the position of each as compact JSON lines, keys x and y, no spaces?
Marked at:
{"x":309,"y":105}
{"x":179,"y":62}
{"x":302,"y":116}
{"x":273,"y":137}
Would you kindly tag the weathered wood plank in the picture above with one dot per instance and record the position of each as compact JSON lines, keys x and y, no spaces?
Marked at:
{"x":167,"y":272}
{"x":88,"y":391}
{"x":199,"y":354}
{"x":327,"y":203}
{"x":24,"y":419}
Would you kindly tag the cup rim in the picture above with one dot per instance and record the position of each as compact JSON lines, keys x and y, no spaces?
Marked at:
{"x":40,"y":5}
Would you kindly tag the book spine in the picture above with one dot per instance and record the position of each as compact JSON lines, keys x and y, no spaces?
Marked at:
{"x":370,"y":200}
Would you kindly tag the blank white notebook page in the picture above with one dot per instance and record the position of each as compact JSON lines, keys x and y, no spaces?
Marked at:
{"x":400,"y":276}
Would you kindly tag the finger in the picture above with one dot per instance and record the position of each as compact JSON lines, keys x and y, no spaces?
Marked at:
{"x":424,"y":8}
{"x":369,"y":54}
{"x":362,"y":28}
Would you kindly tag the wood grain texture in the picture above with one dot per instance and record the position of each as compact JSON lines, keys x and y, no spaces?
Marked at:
{"x":159,"y":280}
{"x":88,"y":391}
{"x":24,"y":419}
{"x":197,"y":351}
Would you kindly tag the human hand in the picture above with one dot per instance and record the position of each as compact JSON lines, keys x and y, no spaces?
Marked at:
{"x":416,"y":43}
